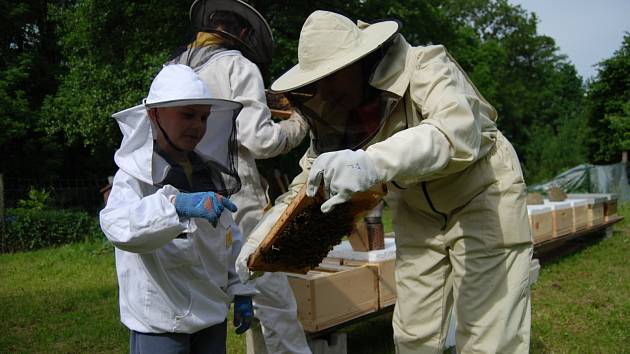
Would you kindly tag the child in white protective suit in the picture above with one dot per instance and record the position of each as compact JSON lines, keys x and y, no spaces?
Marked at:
{"x":382,"y":111}
{"x":232,"y":45}
{"x":175,"y":244}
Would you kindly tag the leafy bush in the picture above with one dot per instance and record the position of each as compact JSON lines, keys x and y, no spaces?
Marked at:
{"x":29,"y":229}
{"x":37,"y":199}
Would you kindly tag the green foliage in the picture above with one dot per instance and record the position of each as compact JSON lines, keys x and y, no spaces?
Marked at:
{"x":551,"y":151}
{"x":30,"y":229}
{"x":15,"y":119}
{"x":608,"y":98}
{"x":68,"y":65}
{"x":37,"y":199}
{"x":537,"y":93}
{"x":112,"y":50}
{"x":29,"y":64}
{"x":620,"y":126}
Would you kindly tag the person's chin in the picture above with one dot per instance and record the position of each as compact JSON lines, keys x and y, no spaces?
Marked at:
{"x":189,"y":146}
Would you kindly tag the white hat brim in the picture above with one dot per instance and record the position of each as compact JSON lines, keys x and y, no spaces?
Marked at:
{"x":372,"y":38}
{"x":214,"y":102}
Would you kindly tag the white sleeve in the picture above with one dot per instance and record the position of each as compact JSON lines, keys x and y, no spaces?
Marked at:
{"x":411,"y":155}
{"x":235,"y":287}
{"x":457,"y":129}
{"x":140,"y":224}
{"x":256,"y":130}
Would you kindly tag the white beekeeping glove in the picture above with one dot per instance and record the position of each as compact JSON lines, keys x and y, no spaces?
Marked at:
{"x":344,"y":173}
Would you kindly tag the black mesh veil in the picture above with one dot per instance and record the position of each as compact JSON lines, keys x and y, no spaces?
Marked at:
{"x":213,"y":163}
{"x":334,"y":128}
{"x":256,"y":45}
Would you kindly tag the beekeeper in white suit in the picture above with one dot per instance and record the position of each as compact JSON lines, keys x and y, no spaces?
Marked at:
{"x":382,"y":111}
{"x":232,"y":45}
{"x":168,"y":215}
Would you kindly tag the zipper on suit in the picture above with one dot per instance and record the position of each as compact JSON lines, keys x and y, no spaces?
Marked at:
{"x":426,"y":195}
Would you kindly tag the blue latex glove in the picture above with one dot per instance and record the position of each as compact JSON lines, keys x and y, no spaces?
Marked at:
{"x":243,"y":313}
{"x":206,"y":205}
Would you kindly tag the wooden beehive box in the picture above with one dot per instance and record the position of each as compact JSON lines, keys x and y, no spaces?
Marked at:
{"x":385,"y":273}
{"x":383,"y":263}
{"x":562,"y":216}
{"x":594,"y":209}
{"x":303,"y":235}
{"x":328,"y":298}
{"x":580,"y":214}
{"x":386,"y":283}
{"x":540,"y":222}
{"x":610,"y":207}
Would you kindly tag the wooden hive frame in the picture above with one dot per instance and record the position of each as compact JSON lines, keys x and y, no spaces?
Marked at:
{"x":360,"y":204}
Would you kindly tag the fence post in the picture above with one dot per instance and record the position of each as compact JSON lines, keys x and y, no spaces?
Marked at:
{"x":2,"y":229}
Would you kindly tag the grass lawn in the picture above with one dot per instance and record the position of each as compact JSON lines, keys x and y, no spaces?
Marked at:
{"x":581,"y":302}
{"x":64,"y":300}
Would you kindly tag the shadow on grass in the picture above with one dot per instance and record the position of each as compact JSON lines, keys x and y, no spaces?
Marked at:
{"x":571,"y":248}
{"x":373,"y":336}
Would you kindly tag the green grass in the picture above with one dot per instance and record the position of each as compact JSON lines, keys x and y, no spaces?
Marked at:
{"x":581,"y":302}
{"x":65,"y":300}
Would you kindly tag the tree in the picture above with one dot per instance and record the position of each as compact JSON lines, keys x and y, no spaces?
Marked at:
{"x":111,"y":51}
{"x":29,"y":64}
{"x":620,"y":125}
{"x":608,"y":97}
{"x":68,"y":65}
{"x":537,"y":93}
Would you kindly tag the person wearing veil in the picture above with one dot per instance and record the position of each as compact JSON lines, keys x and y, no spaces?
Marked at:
{"x":169,"y":217}
{"x":231,"y":52}
{"x":384,"y":112}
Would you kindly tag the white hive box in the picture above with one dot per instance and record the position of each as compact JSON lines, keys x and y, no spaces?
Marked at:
{"x":540,"y":222}
{"x":344,"y":251}
{"x":580,"y":214}
{"x":594,"y":209}
{"x":562,"y":215}
{"x":610,"y":208}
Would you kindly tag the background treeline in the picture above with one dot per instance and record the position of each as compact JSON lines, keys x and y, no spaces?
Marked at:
{"x":66,"y":66}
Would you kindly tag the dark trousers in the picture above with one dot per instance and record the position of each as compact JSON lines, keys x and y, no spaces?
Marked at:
{"x":207,"y":341}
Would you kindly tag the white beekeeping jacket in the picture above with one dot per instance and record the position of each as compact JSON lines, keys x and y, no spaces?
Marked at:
{"x":174,"y":275}
{"x":232,"y":76}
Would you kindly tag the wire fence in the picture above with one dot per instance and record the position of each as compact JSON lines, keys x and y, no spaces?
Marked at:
{"x":82,"y":194}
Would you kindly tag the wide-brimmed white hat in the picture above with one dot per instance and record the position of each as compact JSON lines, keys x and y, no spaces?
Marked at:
{"x":329,"y":42}
{"x":179,"y":85}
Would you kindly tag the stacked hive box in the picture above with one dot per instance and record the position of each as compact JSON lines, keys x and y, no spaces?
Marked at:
{"x":384,"y":271}
{"x":562,"y":216}
{"x":540,"y":222}
{"x":610,"y":208}
{"x":328,"y":298}
{"x":346,"y":285}
{"x":382,"y":262}
{"x":580,"y":214}
{"x":594,"y":208}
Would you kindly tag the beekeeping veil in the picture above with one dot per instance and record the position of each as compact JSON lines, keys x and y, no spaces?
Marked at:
{"x":328,"y":43}
{"x":257,"y":45}
{"x":213,"y":160}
